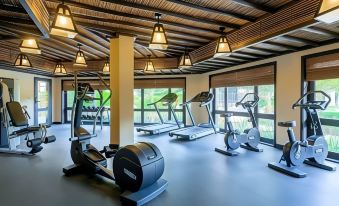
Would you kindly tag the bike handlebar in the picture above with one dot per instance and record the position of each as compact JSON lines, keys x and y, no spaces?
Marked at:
{"x":248,"y":103}
{"x":315,"y":104}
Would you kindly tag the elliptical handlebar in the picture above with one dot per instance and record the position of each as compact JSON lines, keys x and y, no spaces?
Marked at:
{"x":314,"y":104}
{"x":248,"y":103}
{"x":107,"y":87}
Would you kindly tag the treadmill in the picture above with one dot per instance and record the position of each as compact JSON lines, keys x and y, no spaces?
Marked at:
{"x":195,"y":131}
{"x":163,"y":126}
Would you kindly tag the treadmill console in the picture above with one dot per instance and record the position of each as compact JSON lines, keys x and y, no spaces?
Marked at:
{"x":202,"y":97}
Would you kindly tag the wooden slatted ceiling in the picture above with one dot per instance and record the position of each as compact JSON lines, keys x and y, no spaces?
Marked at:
{"x":274,"y":24}
{"x":9,"y":56}
{"x":301,"y":12}
{"x":192,"y":33}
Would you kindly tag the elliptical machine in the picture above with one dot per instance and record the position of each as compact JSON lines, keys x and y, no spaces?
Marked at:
{"x":312,"y":150}
{"x":136,"y":168}
{"x":250,"y":138}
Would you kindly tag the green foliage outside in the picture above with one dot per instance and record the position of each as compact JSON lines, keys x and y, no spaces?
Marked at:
{"x":152,"y":95}
{"x":96,"y":103}
{"x":331,"y":87}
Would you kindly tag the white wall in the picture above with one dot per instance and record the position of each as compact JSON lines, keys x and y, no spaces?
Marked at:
{"x":24,"y":92}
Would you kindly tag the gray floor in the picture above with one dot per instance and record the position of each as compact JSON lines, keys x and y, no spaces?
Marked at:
{"x":197,"y":176}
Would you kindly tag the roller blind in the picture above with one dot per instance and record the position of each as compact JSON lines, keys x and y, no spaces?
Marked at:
{"x":262,"y":75}
{"x":67,"y":85}
{"x":322,"y":67}
{"x":159,"y":83}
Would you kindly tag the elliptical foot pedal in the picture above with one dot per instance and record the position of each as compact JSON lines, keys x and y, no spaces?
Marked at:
{"x":292,"y":171}
{"x":227,"y":152}
{"x":110,"y":150}
{"x":145,"y":195}
{"x":321,"y":166}
{"x":251,"y":148}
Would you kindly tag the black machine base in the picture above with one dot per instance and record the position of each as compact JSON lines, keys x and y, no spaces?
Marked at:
{"x":227,"y":152}
{"x":145,"y":195}
{"x":292,"y":171}
{"x":128,"y":198}
{"x":251,"y":148}
{"x":72,"y":169}
{"x":321,"y":166}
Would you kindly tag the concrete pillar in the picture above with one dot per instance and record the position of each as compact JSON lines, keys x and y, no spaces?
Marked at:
{"x":122,"y":85}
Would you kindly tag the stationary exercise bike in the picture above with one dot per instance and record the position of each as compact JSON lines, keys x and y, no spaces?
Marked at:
{"x":137,"y":168}
{"x":312,"y":150}
{"x":250,"y":138}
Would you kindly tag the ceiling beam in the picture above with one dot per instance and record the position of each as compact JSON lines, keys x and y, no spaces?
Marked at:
{"x":144,"y":35}
{"x":322,"y":31}
{"x":7,"y":37}
{"x":37,"y":10}
{"x":284,"y":46}
{"x":184,"y":34}
{"x":248,"y":55}
{"x":15,"y":9}
{"x":24,"y":31}
{"x":270,"y":51}
{"x":214,"y":11}
{"x":165,"y":52}
{"x":253,"y":5}
{"x":174,"y":14}
{"x":16,"y":20}
{"x":133,"y":16}
{"x":299,"y":40}
{"x":71,"y":45}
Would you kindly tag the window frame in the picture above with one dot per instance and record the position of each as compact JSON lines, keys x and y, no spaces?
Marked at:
{"x":267,"y":141}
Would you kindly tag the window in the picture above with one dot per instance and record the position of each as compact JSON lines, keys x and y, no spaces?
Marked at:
{"x":264,"y":111}
{"x":321,"y":73}
{"x":330,"y":117}
{"x":146,"y":114}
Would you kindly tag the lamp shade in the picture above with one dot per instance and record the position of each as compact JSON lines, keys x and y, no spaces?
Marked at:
{"x":223,"y":48}
{"x":60,"y":70}
{"x":158,"y":39}
{"x":329,"y":11}
{"x":63,"y":24}
{"x":22,"y":61}
{"x":149,"y":67}
{"x":30,"y":46}
{"x":185,"y":61}
{"x":80,"y":59}
{"x":106,"y":69}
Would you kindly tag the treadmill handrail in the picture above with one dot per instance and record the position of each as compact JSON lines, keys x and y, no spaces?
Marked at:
{"x":172,"y":96}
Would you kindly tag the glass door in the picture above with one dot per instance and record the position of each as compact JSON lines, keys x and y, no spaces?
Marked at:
{"x":42,"y":101}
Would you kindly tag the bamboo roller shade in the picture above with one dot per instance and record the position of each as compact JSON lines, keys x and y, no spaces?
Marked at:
{"x":322,"y":67}
{"x":138,"y":84}
{"x":159,"y":83}
{"x":257,"y":76}
{"x":67,"y":85}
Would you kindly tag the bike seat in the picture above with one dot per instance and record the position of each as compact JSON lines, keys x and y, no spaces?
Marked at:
{"x":287,"y":124}
{"x":227,"y":114}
